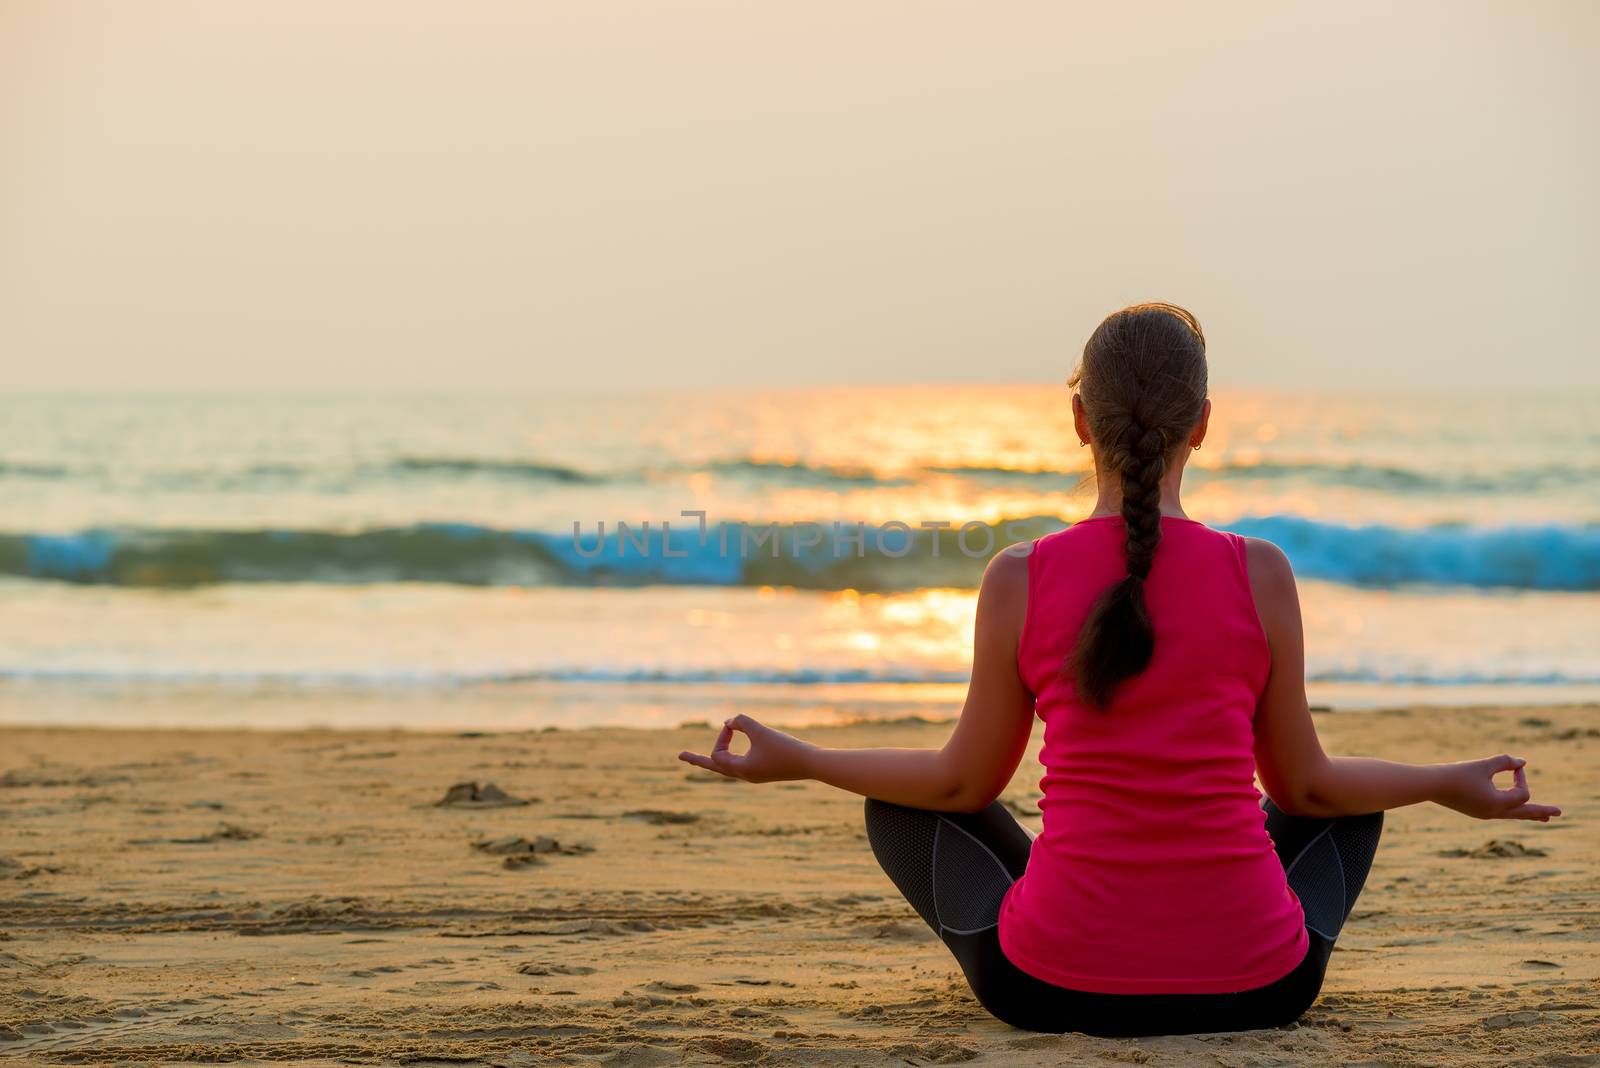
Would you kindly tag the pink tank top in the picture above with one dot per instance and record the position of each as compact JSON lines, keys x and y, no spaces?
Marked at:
{"x":1154,"y":872}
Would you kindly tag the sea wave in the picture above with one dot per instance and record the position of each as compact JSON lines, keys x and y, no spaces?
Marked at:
{"x":1408,"y":480}
{"x":656,"y":676}
{"x":278,"y":476}
{"x":457,"y":465}
{"x":24,"y":469}
{"x":1545,"y":557}
{"x":796,"y":473}
{"x":783,"y":473}
{"x":754,"y":676}
{"x":822,"y":556}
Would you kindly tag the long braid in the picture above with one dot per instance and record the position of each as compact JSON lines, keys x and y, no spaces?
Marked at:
{"x":1143,"y":383}
{"x":1142,"y":466}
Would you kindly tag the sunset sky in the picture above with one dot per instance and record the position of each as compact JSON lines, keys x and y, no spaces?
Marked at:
{"x":532,"y":196}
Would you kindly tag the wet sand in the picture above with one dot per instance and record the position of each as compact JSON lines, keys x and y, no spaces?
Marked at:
{"x":255,"y":898}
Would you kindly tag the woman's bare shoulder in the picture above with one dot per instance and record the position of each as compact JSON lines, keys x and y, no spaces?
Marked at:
{"x":1271,"y":577}
{"x":1009,"y":566}
{"x":1003,"y":597}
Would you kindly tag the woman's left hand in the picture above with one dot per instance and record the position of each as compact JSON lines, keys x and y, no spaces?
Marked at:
{"x":773,"y":756}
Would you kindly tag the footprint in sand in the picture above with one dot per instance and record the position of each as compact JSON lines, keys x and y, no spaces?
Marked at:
{"x":1495,"y":849}
{"x":639,"y":1055}
{"x":897,"y":932}
{"x":471,"y":795}
{"x":939,"y":1051}
{"x":753,"y":982}
{"x":729,"y":1048}
{"x":661,"y":817}
{"x":227,"y":832}
{"x":541,"y":968}
{"x":519,"y":852}
{"x":15,"y":869}
{"x":665,"y":987}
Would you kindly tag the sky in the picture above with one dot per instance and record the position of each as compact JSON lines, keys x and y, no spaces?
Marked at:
{"x":552,"y":196}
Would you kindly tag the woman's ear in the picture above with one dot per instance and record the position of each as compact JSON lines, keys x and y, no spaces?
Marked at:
{"x":1080,"y":419}
{"x":1199,"y":434}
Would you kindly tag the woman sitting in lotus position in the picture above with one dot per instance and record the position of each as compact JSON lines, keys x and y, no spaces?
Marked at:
{"x":1167,"y":662}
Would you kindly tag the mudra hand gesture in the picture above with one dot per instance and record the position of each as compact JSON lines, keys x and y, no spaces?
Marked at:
{"x":773,"y":756}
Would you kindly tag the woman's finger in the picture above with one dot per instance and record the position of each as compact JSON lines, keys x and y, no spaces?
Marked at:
{"x":698,"y":761}
{"x":730,"y":764}
{"x":722,"y":759}
{"x":1517,"y":794}
{"x":1542,"y":813}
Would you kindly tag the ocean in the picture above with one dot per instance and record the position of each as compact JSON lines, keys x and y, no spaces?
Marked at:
{"x":655,"y":557}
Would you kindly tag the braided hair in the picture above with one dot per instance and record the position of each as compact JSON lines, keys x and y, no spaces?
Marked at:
{"x":1143,"y":384}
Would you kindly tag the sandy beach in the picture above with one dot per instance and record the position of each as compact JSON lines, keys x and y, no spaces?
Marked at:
{"x":189,"y":896}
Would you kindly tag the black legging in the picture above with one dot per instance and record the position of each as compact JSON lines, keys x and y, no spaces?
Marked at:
{"x":954,"y":867}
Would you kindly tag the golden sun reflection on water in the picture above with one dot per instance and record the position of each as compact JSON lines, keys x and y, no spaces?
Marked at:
{"x":931,"y":625}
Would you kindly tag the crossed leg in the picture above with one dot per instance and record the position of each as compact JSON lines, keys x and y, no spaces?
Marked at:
{"x":954,"y":868}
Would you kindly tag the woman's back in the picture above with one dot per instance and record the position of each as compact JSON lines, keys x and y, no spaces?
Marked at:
{"x":1154,"y":873}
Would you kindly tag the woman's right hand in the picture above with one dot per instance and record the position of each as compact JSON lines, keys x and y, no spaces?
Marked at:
{"x":1469,"y":788}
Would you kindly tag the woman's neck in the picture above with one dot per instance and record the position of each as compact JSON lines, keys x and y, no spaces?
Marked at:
{"x":1109,"y":501}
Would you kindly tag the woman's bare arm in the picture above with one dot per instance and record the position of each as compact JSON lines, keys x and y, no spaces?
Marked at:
{"x":1301,"y":779}
{"x":972,"y":767}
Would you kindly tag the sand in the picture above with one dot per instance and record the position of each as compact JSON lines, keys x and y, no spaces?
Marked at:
{"x":256,"y":898}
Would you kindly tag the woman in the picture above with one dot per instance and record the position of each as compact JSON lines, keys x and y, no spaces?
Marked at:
{"x":1167,"y":662}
